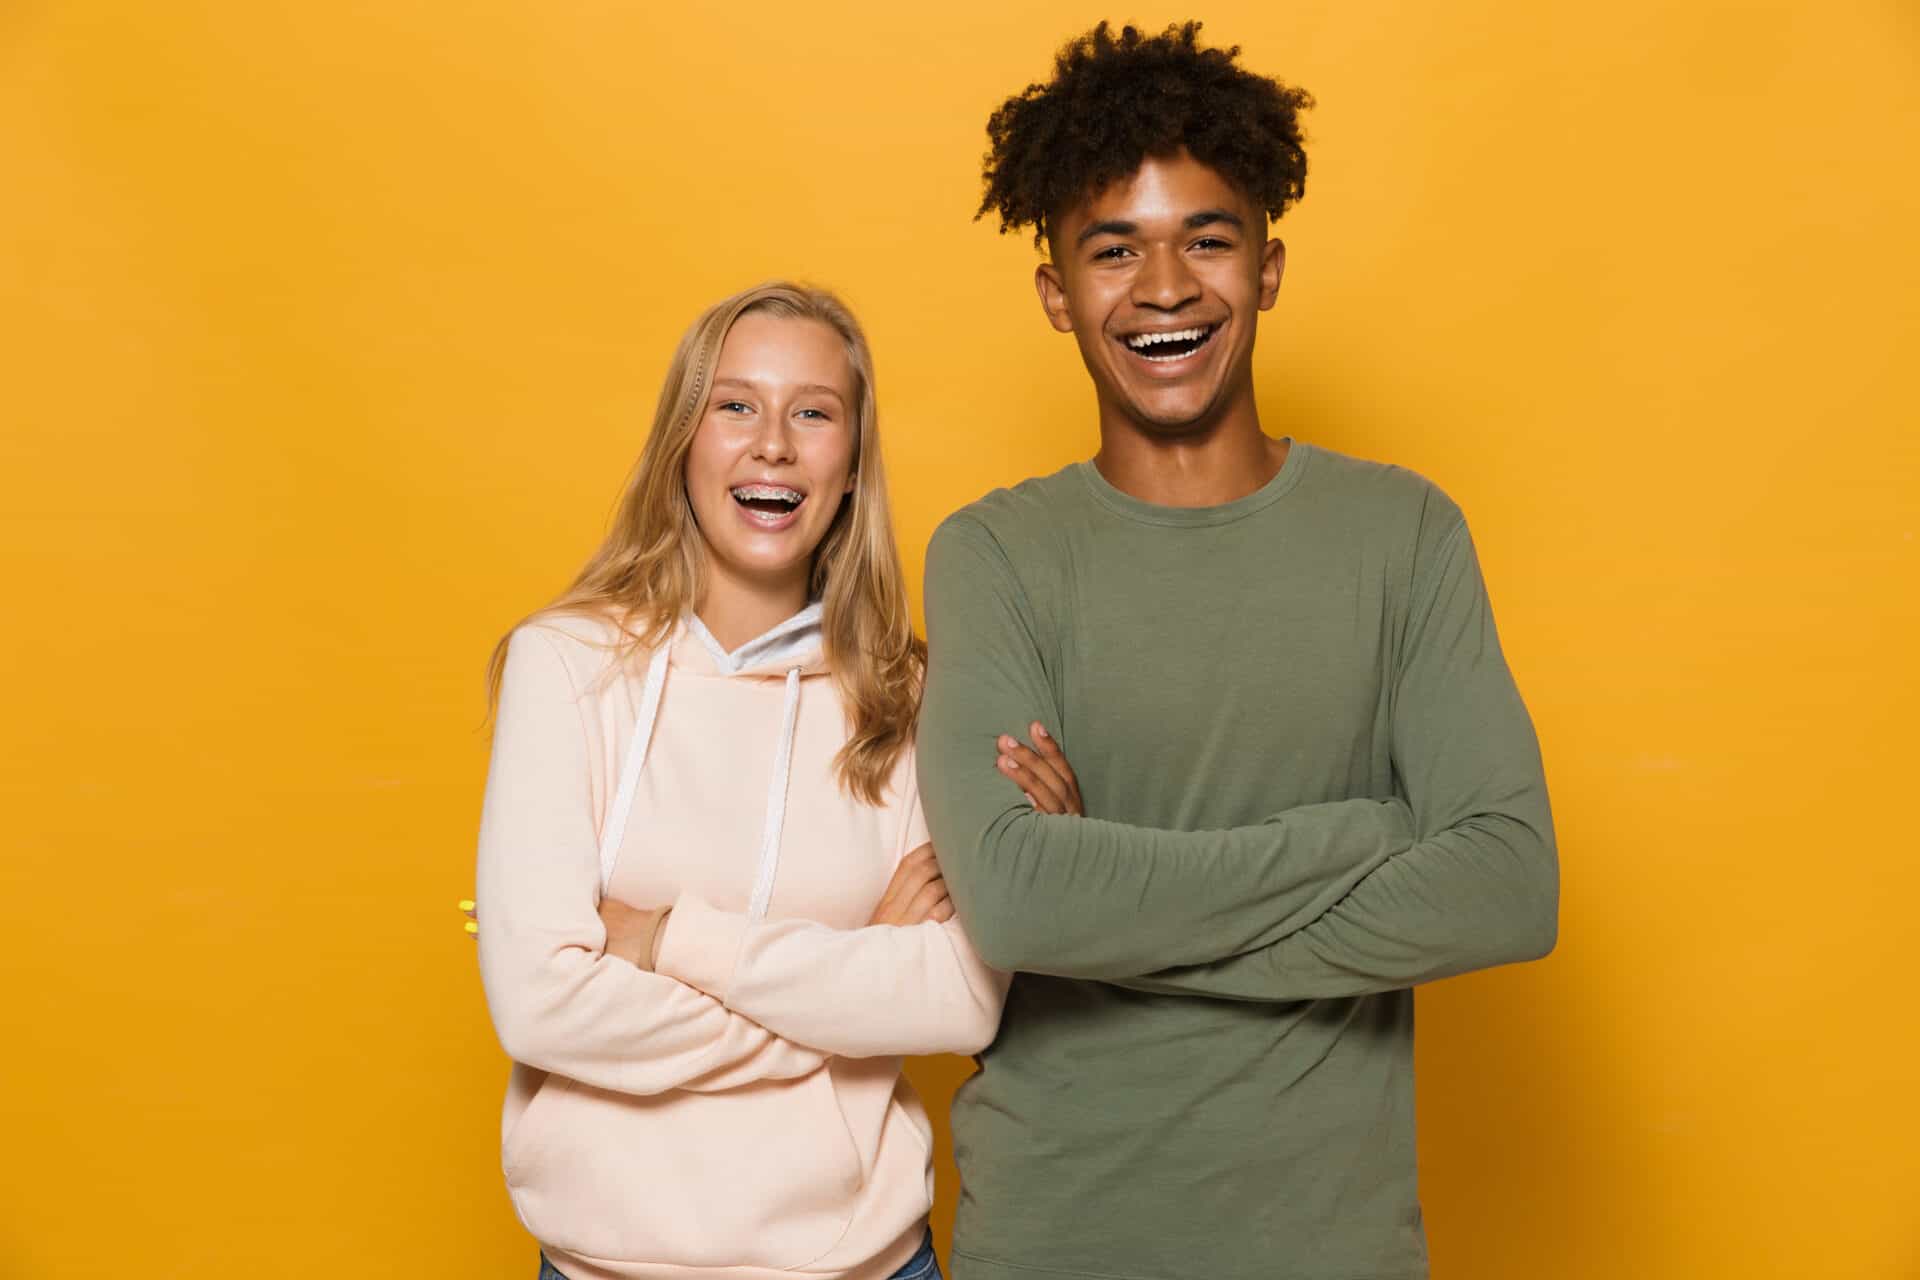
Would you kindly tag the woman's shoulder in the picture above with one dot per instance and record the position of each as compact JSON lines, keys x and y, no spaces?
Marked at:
{"x":593,"y":647}
{"x":590,"y":630}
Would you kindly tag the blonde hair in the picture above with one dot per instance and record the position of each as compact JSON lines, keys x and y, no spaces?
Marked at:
{"x":650,"y":569}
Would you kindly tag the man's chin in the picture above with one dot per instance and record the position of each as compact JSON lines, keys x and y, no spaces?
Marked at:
{"x":1167,"y":417}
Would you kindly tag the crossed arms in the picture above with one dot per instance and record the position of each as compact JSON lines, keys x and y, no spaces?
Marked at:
{"x":1343,"y":898}
{"x":1336,"y":899}
{"x":736,"y":1000}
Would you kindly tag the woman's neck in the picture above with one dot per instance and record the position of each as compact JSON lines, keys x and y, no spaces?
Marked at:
{"x":737,"y":611}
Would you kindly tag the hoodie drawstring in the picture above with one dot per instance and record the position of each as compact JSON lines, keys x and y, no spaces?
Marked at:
{"x":776,"y":803}
{"x":615,"y":831}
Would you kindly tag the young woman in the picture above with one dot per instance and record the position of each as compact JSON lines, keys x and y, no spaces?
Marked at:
{"x":710,"y":921}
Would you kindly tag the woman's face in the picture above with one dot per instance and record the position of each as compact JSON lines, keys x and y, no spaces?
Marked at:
{"x":772,"y":457}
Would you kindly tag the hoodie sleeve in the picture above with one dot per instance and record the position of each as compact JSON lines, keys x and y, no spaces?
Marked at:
{"x":559,"y":1003}
{"x":858,"y":993}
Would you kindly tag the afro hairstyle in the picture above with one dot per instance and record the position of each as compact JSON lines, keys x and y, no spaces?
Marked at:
{"x":1116,"y":99}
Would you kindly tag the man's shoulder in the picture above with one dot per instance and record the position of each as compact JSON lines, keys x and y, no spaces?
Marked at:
{"x":1019,"y":519}
{"x":1380,"y":491}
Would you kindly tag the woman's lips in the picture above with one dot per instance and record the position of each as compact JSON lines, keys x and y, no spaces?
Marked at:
{"x":768,"y":508}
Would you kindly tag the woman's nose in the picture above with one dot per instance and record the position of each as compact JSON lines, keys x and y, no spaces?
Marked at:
{"x":773,"y":442}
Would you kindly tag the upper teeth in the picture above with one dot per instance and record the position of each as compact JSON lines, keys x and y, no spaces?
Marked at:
{"x":778,"y":493}
{"x":1141,"y":341}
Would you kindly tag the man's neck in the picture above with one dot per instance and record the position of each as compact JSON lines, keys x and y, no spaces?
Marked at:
{"x":1204,"y":469}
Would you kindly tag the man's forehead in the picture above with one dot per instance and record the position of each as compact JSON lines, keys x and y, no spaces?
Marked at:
{"x":1163,"y":190}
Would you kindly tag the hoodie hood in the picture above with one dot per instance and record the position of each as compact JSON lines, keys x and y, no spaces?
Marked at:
{"x":799,"y":642}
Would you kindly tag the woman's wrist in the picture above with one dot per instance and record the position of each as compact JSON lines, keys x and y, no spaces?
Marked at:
{"x":633,"y":935}
{"x":657,"y":938}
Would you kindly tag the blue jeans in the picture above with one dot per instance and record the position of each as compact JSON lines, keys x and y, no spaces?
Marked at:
{"x":921,"y":1266}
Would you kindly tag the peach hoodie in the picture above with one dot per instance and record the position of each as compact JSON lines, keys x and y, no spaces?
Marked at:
{"x":740,"y":1113}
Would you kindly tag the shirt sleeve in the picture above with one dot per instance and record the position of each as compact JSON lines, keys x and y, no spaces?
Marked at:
{"x":1480,"y":886}
{"x":858,"y":993}
{"x":558,"y":1002}
{"x":1083,"y":897}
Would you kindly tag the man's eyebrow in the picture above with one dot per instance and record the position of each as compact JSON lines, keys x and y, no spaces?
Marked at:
{"x":1207,"y":217}
{"x":1111,"y":227}
{"x":1192,"y":222}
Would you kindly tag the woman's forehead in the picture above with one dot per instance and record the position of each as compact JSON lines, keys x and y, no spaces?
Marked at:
{"x":769,"y":352}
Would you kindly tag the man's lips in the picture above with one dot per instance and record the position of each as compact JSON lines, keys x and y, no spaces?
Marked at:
{"x":1166,"y":352}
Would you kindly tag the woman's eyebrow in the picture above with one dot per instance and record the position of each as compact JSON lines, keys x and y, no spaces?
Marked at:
{"x":750,"y":385}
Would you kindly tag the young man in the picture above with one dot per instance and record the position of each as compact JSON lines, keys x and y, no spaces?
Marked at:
{"x":1309,"y":783}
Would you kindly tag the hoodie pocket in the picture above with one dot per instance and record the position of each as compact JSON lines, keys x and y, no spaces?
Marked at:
{"x":763,"y":1176}
{"x":514,"y":1149}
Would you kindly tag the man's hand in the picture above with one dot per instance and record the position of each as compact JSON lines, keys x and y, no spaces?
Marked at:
{"x":1043,"y":774}
{"x":916,"y":894}
{"x":633,"y":935}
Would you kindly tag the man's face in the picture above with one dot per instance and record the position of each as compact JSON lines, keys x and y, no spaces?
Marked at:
{"x":1159,"y":278}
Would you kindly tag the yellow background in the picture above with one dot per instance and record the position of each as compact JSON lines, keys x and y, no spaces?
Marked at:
{"x":328,"y":329}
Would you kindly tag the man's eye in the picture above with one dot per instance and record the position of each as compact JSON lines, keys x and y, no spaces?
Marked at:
{"x":1211,"y":242}
{"x":1112,"y":251}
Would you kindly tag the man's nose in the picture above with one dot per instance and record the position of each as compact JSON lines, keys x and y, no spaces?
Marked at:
{"x":1164,"y":281}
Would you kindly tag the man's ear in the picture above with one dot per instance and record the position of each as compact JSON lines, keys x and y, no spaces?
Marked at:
{"x":1273,"y":265}
{"x":1052,"y":288}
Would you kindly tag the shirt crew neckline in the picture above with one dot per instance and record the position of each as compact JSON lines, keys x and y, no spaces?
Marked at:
{"x":1132,"y":508}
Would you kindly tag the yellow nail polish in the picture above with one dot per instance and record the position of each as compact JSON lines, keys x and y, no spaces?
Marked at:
{"x":466,"y":904}
{"x":472,"y":927}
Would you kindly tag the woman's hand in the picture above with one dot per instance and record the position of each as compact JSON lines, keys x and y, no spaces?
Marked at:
{"x":916,"y":894}
{"x":1043,"y":774}
{"x":633,"y":935}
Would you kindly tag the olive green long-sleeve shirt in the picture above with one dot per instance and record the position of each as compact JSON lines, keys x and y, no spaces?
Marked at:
{"x":1310,"y":784}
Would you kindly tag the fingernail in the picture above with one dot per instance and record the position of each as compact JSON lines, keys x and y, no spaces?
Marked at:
{"x":1040,"y":730}
{"x":1005,"y":743}
{"x":472,"y":927}
{"x":1004,"y":763}
{"x":1030,"y":799}
{"x":466,"y":904}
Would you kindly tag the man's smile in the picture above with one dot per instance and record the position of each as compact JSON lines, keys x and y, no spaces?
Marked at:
{"x":1170,"y":352}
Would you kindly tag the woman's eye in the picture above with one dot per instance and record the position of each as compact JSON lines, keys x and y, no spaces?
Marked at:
{"x":819,"y":414}
{"x":732,"y":406}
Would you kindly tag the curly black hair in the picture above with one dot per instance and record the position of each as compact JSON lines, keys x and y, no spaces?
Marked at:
{"x":1115,"y":100}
